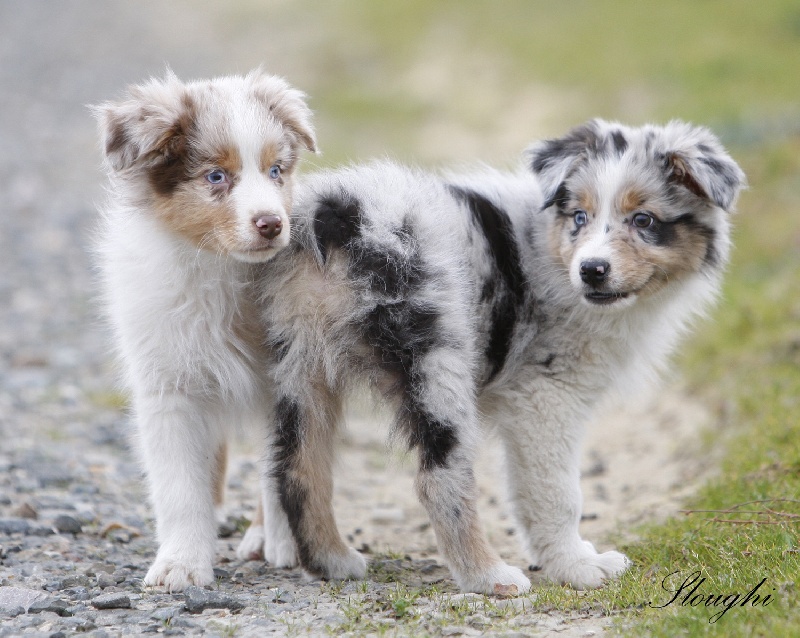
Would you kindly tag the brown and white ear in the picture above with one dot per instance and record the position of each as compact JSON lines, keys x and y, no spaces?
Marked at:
{"x":150,"y":123}
{"x":553,"y":160}
{"x":694,"y":158}
{"x":288,"y":105}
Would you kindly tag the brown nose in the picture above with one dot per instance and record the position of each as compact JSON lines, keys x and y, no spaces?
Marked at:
{"x":269,"y":226}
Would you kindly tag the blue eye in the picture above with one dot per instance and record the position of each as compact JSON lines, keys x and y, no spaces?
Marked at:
{"x":275,"y":172}
{"x":580,"y":217}
{"x":216,"y":177}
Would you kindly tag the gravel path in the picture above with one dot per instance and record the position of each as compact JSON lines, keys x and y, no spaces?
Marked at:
{"x":76,"y":534}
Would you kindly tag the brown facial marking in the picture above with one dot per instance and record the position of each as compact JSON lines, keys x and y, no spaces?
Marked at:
{"x":586,"y":201}
{"x":631,"y":200}
{"x":228,"y":159}
{"x":171,"y":169}
{"x":190,"y":213}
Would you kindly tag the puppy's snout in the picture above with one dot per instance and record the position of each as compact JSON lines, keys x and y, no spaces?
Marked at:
{"x":594,"y":272}
{"x":269,"y":225}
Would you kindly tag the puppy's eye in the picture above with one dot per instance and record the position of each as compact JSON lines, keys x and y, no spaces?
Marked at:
{"x":642,"y":220}
{"x":216,"y":177}
{"x":274,"y":171}
{"x":580,"y":217}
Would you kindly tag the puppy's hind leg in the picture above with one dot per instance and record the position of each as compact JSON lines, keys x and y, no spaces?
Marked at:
{"x":440,"y":418}
{"x":269,"y":536}
{"x":303,"y":474}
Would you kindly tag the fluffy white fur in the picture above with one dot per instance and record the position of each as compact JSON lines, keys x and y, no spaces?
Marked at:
{"x":178,"y":235}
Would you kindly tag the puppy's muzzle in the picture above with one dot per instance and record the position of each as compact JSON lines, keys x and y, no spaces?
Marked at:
{"x":269,"y":226}
{"x":594,"y":272}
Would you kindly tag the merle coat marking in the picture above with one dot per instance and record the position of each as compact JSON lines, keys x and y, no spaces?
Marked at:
{"x":515,"y":299}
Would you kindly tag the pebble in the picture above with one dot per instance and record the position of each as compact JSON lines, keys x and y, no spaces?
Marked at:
{"x":199,"y":599}
{"x":67,"y":524}
{"x":116,"y":600}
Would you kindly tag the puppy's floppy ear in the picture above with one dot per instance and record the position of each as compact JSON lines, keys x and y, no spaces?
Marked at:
{"x":288,"y":105}
{"x":694,"y":158}
{"x":553,"y":160}
{"x":150,"y":123}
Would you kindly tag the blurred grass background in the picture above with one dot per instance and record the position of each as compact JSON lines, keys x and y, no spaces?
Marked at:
{"x":445,"y":82}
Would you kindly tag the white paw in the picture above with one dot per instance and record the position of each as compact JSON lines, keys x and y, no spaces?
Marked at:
{"x":177,"y":574}
{"x":281,"y":552}
{"x":500,"y":579}
{"x":583,"y":568}
{"x":344,"y":566}
{"x":252,"y":545}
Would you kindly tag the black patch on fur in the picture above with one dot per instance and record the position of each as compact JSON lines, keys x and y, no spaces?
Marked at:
{"x":582,"y":140}
{"x":293,"y":495}
{"x":337,"y":222}
{"x":509,"y":281}
{"x":434,"y":439}
{"x":619,"y":142}
{"x":402,"y":333}
{"x":559,"y":198}
{"x":548,"y":361}
{"x":386,"y":272}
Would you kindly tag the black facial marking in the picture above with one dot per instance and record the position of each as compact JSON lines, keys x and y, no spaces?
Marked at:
{"x":559,"y":198}
{"x":619,"y":142}
{"x":662,"y":233}
{"x":509,"y":280}
{"x":582,"y":140}
{"x":337,"y":222}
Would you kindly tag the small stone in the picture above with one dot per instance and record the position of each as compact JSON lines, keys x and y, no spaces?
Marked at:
{"x":114,"y":600}
{"x":198,"y":599}
{"x":165,"y":613}
{"x":52,"y":604}
{"x":17,"y":600}
{"x":75,"y":580}
{"x":105,"y":580}
{"x":67,"y":524}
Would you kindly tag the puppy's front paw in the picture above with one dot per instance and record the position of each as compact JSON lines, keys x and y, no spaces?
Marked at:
{"x":350,"y":564}
{"x":177,"y":574}
{"x":583,"y":567}
{"x":281,"y":552}
{"x":499,"y":579}
{"x":252,"y":545}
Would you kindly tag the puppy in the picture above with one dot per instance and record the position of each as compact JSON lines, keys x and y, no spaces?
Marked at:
{"x":517,"y":300}
{"x":200,"y":190}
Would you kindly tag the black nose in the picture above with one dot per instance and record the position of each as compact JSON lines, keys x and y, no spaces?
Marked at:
{"x":594,"y":272}
{"x":269,"y":226}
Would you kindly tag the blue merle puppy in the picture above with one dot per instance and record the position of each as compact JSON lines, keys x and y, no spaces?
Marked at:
{"x":514,"y":300}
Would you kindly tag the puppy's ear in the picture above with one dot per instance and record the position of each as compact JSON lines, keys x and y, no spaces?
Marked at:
{"x":150,"y":123}
{"x":288,"y":105}
{"x":693,"y":157}
{"x":553,"y":160}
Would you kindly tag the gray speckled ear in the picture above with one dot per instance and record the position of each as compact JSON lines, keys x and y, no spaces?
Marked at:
{"x":694,"y":158}
{"x":552,"y":160}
